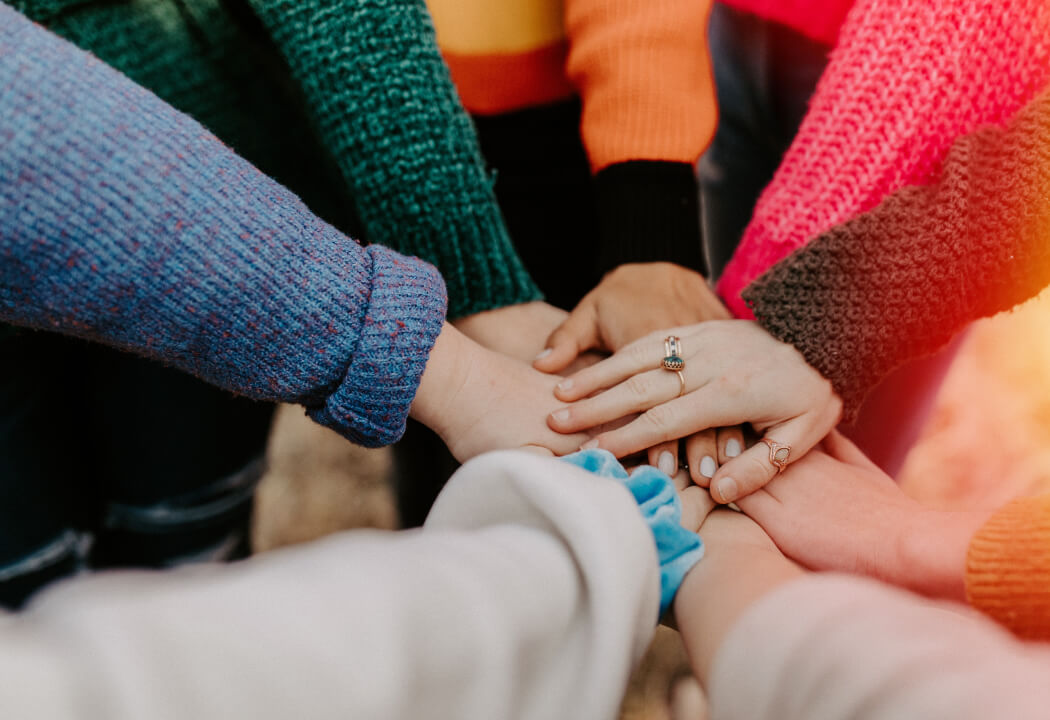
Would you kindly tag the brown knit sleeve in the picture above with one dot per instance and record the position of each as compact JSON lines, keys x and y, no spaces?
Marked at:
{"x":899,"y":281}
{"x":1008,"y":568}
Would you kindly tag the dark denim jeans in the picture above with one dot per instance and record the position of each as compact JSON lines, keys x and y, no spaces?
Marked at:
{"x":109,"y":460}
{"x":765,"y":74}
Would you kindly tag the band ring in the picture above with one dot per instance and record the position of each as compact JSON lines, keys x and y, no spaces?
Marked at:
{"x":673,"y":355}
{"x":681,"y":383}
{"x":778,"y":454}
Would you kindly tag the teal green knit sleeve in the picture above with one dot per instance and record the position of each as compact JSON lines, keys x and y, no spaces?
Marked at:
{"x":385,"y":106}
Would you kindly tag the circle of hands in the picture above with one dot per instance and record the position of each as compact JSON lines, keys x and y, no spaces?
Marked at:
{"x":533,"y":376}
{"x":597,"y":381}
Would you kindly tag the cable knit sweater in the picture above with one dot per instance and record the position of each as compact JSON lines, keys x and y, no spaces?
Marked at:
{"x":364,"y":78}
{"x":126,"y":222}
{"x":900,"y":280}
{"x":907,"y":78}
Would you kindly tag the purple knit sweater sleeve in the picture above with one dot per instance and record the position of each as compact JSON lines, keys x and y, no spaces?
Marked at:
{"x":126,"y":222}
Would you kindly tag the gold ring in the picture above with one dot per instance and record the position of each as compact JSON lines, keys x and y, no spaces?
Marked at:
{"x":778,"y":454}
{"x":673,"y":355}
{"x":681,"y":383}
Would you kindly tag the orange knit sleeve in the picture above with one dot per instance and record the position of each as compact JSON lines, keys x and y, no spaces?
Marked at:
{"x":644,"y":73}
{"x":1008,"y":568}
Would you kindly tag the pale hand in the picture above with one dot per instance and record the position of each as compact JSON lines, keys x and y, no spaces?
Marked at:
{"x":478,"y":400}
{"x":519,"y":331}
{"x":630,"y":302}
{"x":836,"y":510}
{"x":735,"y":372}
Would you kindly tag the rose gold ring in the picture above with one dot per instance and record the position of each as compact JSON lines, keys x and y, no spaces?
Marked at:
{"x":778,"y":454}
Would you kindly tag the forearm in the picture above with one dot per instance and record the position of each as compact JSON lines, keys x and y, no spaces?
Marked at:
{"x":125,"y":222}
{"x":387,"y":110}
{"x":901,"y":280}
{"x":718,"y":591}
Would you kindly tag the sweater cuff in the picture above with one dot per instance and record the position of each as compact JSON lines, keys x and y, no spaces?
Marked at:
{"x":649,"y":211}
{"x":677,"y":549}
{"x":1007,"y":567}
{"x":404,"y":317}
{"x":478,"y":262}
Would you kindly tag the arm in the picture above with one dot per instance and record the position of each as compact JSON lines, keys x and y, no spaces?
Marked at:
{"x":384,"y":105}
{"x":529,"y":594}
{"x":901,"y":280}
{"x":886,"y":111}
{"x":772,"y":642}
{"x":837,"y":511}
{"x":125,"y":222}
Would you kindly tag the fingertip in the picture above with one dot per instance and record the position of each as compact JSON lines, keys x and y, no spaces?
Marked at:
{"x":554,"y":359}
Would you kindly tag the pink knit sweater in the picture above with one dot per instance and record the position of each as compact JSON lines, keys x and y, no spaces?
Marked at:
{"x":906,"y":79}
{"x":817,"y":19}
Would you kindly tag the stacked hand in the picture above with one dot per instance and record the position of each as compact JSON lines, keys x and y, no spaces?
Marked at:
{"x":734,"y":373}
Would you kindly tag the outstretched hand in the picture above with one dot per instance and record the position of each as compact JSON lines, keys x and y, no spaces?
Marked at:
{"x":836,"y":510}
{"x":734,"y":373}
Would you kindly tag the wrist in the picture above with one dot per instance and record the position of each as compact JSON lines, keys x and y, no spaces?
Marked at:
{"x":443,"y":378}
{"x":932,"y":552}
{"x":719,"y":590}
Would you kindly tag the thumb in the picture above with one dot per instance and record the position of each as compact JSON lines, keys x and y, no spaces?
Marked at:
{"x":579,"y":332}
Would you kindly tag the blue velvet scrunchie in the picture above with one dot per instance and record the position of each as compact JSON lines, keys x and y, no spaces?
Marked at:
{"x":677,"y":548}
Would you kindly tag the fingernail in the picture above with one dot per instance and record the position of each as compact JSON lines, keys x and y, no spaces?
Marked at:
{"x":589,"y":444}
{"x":732,"y":447}
{"x":727,"y":489}
{"x":544,"y":354}
{"x":707,"y":466}
{"x":560,"y":416}
{"x":565,"y":384}
{"x":666,"y":463}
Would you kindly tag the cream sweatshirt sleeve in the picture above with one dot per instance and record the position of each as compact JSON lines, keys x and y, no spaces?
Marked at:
{"x":530,"y":593}
{"x":829,"y":647}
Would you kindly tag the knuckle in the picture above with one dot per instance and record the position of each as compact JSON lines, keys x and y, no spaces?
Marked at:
{"x":639,"y":385}
{"x":660,"y":418}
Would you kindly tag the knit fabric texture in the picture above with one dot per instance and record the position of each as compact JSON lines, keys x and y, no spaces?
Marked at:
{"x":901,"y":280}
{"x":643,"y":74}
{"x":677,"y":549}
{"x":126,"y":222}
{"x":362,"y":80}
{"x":1007,"y":567}
{"x":908,"y":77}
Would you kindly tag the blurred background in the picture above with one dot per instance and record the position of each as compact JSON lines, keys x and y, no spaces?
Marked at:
{"x":987,"y":441}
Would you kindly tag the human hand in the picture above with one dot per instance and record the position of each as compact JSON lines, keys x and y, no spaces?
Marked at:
{"x":735,"y":372}
{"x":519,"y":331}
{"x":478,"y":400}
{"x":836,"y":510}
{"x":629,"y":302}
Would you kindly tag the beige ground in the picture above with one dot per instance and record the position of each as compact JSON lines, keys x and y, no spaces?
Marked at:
{"x":989,"y":440}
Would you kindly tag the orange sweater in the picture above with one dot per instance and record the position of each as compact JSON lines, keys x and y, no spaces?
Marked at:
{"x":1008,"y":568}
{"x":641,"y":68}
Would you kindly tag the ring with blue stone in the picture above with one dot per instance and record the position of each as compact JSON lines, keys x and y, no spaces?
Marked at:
{"x":672,"y":354}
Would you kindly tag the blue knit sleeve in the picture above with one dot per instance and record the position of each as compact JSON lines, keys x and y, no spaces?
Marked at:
{"x":125,"y":222}
{"x":677,"y":549}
